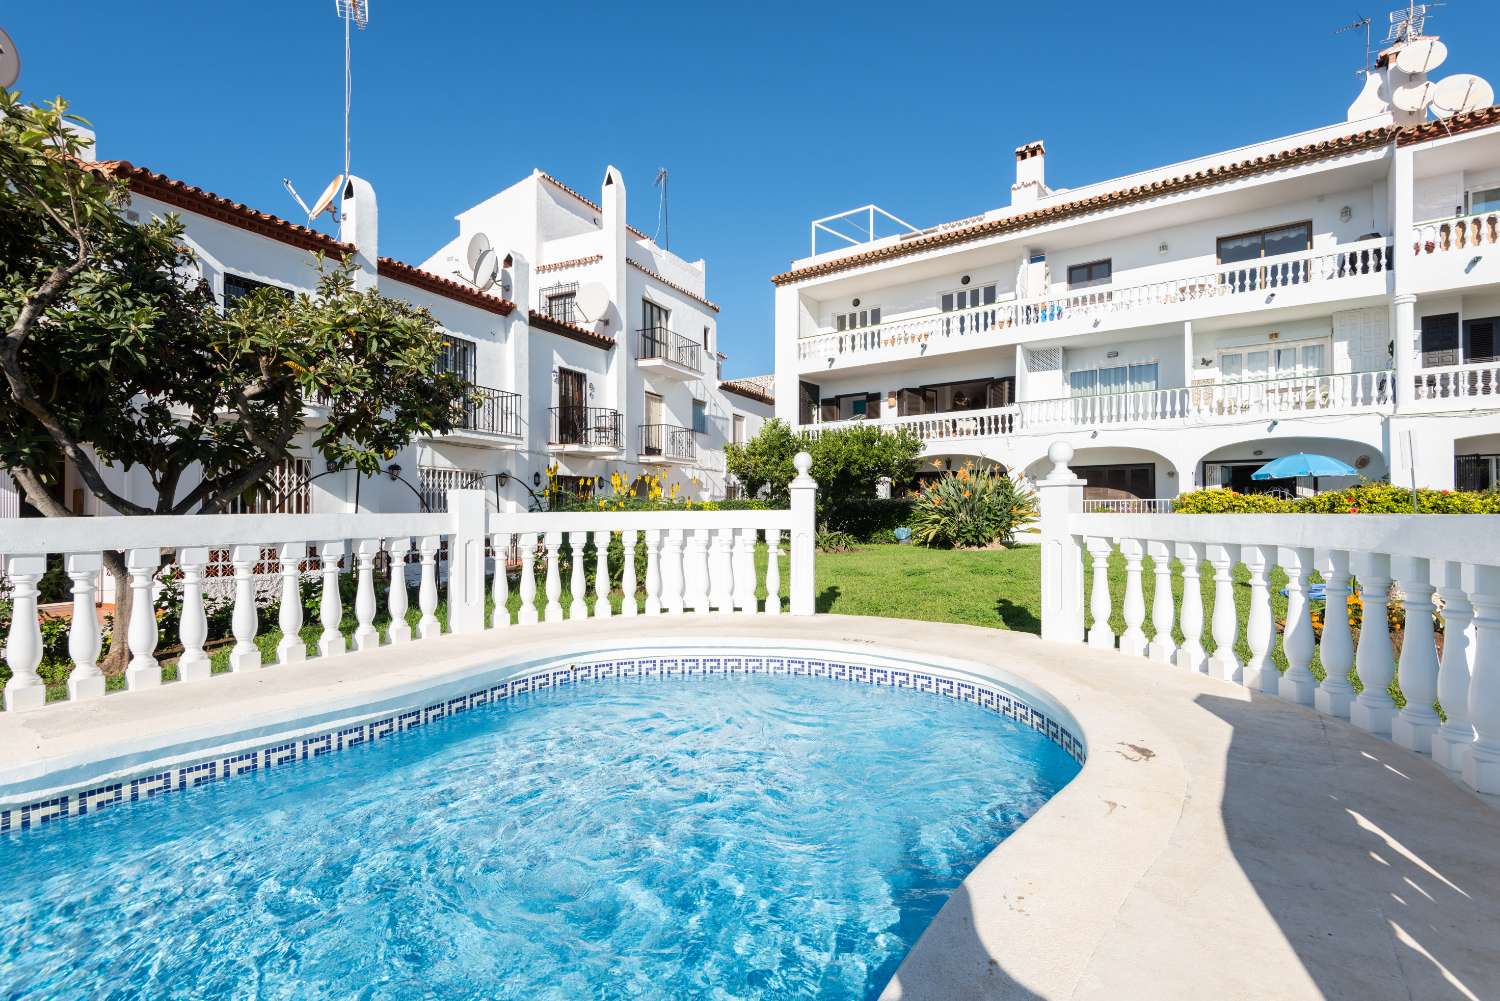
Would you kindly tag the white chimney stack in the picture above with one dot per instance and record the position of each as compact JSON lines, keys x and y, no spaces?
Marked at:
{"x":359,"y":227}
{"x":1031,"y":174}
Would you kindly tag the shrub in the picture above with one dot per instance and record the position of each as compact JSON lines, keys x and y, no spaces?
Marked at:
{"x":847,"y":462}
{"x":1366,"y":498}
{"x":872,"y":519}
{"x":970,"y":509}
{"x":1219,"y":501}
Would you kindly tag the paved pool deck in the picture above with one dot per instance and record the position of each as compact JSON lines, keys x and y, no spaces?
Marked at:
{"x":1218,"y":844}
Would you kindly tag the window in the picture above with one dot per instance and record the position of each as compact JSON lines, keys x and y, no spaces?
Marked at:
{"x":284,"y":490}
{"x":1440,"y":340}
{"x":1480,"y":342}
{"x":1093,"y":273}
{"x":1265,"y":243}
{"x":236,"y":287}
{"x":854,"y":320}
{"x":1476,"y":472}
{"x":808,"y":394}
{"x":848,"y":406}
{"x":1135,"y":378}
{"x":1484,"y":200}
{"x":700,"y":417}
{"x":655,"y":316}
{"x":1273,"y":361}
{"x":458,"y":357}
{"x":706,"y":345}
{"x":739,"y":429}
{"x":967,"y":298}
{"x":952,"y":397}
{"x":559,"y":302}
{"x":434,"y":482}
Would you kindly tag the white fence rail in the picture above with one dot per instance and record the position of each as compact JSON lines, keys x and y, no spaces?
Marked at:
{"x":699,"y":561}
{"x":1456,"y":557}
{"x":1477,"y":380}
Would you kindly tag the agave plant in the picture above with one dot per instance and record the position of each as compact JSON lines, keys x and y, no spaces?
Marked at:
{"x":972,"y":508}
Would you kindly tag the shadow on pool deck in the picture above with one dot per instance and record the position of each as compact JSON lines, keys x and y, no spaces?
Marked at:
{"x":1363,"y":854}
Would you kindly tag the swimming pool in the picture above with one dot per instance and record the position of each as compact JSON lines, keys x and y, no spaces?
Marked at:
{"x":724,"y":836}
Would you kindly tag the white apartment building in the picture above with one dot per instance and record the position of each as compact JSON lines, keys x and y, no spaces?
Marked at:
{"x":1335,"y":291}
{"x":635,"y":389}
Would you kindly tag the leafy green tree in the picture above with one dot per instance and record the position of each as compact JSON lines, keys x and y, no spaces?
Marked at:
{"x":848,"y":462}
{"x":115,"y":352}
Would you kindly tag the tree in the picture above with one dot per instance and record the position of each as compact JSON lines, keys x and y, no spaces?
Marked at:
{"x":848,"y":462}
{"x":115,"y":351}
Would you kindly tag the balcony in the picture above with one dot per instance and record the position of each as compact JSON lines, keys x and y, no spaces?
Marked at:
{"x":668,"y":444}
{"x":1355,"y":271}
{"x":669,"y":354}
{"x":1456,"y":253}
{"x":584,"y":430}
{"x":490,"y":417}
{"x":1476,"y":384}
{"x":1195,"y":406}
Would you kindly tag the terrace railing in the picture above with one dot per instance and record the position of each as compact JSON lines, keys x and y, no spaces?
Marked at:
{"x":590,"y":427}
{"x":667,"y":345}
{"x":700,"y":561}
{"x":669,"y":441}
{"x":496,"y":411}
{"x":1449,"y":235}
{"x":1456,"y":557}
{"x":1474,"y":381}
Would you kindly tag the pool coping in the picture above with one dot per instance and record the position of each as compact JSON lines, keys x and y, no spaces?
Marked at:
{"x":1175,"y":865}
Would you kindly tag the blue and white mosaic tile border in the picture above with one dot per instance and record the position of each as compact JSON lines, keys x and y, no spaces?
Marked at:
{"x":180,"y":777}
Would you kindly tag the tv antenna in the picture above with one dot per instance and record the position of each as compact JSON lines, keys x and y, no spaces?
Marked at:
{"x":1407,"y":25}
{"x":663,"y":222}
{"x":1363,"y":22}
{"x":354,"y":13}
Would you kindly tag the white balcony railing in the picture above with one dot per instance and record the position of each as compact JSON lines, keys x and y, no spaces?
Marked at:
{"x":700,"y":561}
{"x":1239,"y":286}
{"x":1128,"y":505}
{"x":1196,"y":405}
{"x":1475,"y":381}
{"x":1447,"y":235}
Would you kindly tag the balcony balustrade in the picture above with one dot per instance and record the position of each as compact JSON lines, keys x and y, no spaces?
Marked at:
{"x":668,"y":443}
{"x":492,"y":411}
{"x":1450,"y":235}
{"x":584,"y":429}
{"x":669,"y":351}
{"x":1224,"y":289}
{"x":1476,"y":381}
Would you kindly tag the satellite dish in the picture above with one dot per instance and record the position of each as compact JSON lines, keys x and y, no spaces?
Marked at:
{"x":325,"y":200}
{"x":1461,"y":92}
{"x":1422,"y":56}
{"x":478,"y":245}
{"x":1414,"y":96}
{"x":592,"y":300}
{"x":10,"y":61}
{"x":486,"y":270}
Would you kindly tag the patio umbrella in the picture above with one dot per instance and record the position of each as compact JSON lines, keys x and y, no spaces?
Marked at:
{"x":1302,"y":464}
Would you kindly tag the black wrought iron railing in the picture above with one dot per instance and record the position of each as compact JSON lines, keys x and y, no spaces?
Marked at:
{"x":495,"y":411}
{"x":669,"y":441}
{"x":594,"y":427}
{"x":659,"y":342}
{"x":559,"y":302}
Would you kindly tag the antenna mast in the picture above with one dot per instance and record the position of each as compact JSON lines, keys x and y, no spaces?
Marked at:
{"x":356,"y":12}
{"x":663,"y":222}
{"x":1363,"y":22}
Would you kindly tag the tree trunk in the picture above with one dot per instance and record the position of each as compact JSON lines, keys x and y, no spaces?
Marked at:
{"x":115,"y":661}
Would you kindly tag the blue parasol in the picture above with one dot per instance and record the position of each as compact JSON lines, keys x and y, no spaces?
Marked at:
{"x":1302,"y":464}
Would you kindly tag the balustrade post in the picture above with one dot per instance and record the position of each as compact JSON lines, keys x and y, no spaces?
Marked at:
{"x":290,"y":648}
{"x":244,"y":621}
{"x":331,"y":605}
{"x":85,"y":680}
{"x":553,"y":610}
{"x":365,"y":635}
{"x":1224,"y":625}
{"x":672,"y":576}
{"x":1481,"y":759}
{"x":527,"y":616}
{"x":1059,"y":497}
{"x":1100,"y":605}
{"x":399,"y":631}
{"x":466,"y":562}
{"x":500,"y":585}
{"x":628,"y":583}
{"x":1163,"y":611}
{"x":576,"y":582}
{"x":601,"y":576}
{"x":1456,"y":733}
{"x":651,"y":539}
{"x":23,"y":644}
{"x":1297,"y":684}
{"x":1373,"y":661}
{"x":192,"y":628}
{"x":721,"y":571}
{"x":1336,"y":650}
{"x":804,"y":497}
{"x":1191,"y":656}
{"x":773,"y":571}
{"x":695,"y":570}
{"x":143,"y":671}
{"x":1416,"y":724}
{"x":744,"y":570}
{"x":428,"y":626}
{"x":1133,"y":639}
{"x":1260,"y":672}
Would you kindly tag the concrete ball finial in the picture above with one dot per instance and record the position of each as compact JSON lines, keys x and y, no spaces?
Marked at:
{"x":1060,"y":452}
{"x":803,"y":462}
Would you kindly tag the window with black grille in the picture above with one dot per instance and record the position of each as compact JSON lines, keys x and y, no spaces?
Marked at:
{"x":559,"y":302}
{"x":237,"y":287}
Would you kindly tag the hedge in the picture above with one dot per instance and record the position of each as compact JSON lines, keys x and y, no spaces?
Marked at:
{"x":1367,"y":498}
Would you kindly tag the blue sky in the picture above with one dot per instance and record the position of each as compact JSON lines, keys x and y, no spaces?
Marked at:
{"x":767,"y":114}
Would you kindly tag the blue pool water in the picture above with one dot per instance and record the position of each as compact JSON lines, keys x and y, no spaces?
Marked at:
{"x":730,"y":837}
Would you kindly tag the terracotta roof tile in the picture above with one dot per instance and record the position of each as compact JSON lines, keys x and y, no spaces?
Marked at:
{"x":389,"y":267}
{"x":672,"y":285}
{"x":1454,"y":125}
{"x":544,"y":322}
{"x":576,"y":262}
{"x":749,"y":390}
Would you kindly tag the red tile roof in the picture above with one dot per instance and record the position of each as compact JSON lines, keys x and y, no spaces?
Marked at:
{"x":749,"y":390}
{"x":542,"y":321}
{"x":389,"y":267}
{"x":576,"y":262}
{"x":672,"y":285}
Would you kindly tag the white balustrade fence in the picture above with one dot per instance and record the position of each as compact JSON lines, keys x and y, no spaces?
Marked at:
{"x":1474,"y":381}
{"x":693,"y":561}
{"x":1455,"y":557}
{"x":1443,"y":236}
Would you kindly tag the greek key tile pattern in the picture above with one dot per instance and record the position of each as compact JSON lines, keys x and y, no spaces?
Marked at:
{"x":218,"y":769}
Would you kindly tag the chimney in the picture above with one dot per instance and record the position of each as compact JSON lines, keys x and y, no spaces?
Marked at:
{"x":357,"y":226}
{"x":1031,"y":174}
